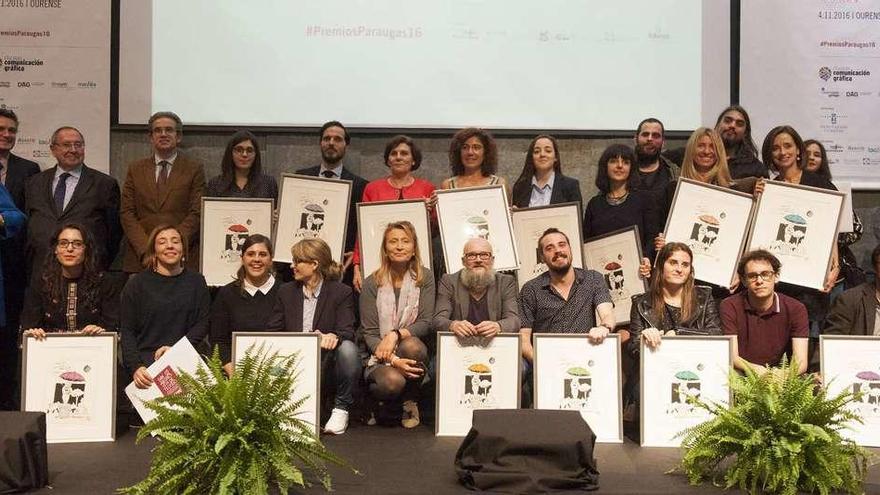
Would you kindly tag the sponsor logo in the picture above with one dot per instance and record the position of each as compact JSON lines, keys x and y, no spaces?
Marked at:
{"x":874,"y":149}
{"x":842,"y":74}
{"x":5,"y":84}
{"x":824,"y":73}
{"x":830,"y":93}
{"x":58,"y":84}
{"x":87,"y":84}
{"x":855,"y":148}
{"x":835,"y":148}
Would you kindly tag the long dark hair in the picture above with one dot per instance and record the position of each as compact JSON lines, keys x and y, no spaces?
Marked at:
{"x":248,"y":242}
{"x":688,"y":293}
{"x":767,"y":148}
{"x":227,"y":166}
{"x":53,"y":284}
{"x":490,"y":151}
{"x":824,"y":169}
{"x":528,"y":171}
{"x":622,"y":151}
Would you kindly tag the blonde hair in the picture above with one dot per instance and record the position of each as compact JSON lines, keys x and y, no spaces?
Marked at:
{"x":720,"y":174}
{"x":318,"y":251}
{"x":151,"y":258}
{"x":383,"y":273}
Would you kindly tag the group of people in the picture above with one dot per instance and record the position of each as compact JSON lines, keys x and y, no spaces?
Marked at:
{"x":376,"y":329}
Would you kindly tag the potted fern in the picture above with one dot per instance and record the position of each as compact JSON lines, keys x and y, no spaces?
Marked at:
{"x":780,"y":435}
{"x":233,"y":436}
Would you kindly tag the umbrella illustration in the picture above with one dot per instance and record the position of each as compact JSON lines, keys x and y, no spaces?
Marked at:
{"x":610,"y":267}
{"x":313,"y":208}
{"x":687,"y":376}
{"x":867,"y":376}
{"x":238,"y":228}
{"x":72,"y":376}
{"x":795,"y":218}
{"x":709,"y":219}
{"x":479,"y":368}
{"x":578,"y":371}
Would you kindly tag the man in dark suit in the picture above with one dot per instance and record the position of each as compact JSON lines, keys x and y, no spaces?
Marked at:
{"x":165,"y":188}
{"x":14,"y":173}
{"x":334,"y":139}
{"x":71,"y":192}
{"x":857,"y":310}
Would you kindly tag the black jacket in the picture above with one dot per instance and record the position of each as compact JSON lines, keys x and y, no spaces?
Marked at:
{"x":705,"y":321}
{"x":565,"y":189}
{"x":333,"y":314}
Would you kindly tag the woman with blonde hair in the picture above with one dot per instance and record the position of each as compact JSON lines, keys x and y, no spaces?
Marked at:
{"x":162,"y":304}
{"x":397,"y":305}
{"x":316,"y":301}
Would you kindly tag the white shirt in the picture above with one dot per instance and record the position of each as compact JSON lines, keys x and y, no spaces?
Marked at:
{"x":337,"y":171}
{"x":310,"y":304}
{"x":69,"y":185}
{"x":170,"y":165}
{"x":541,"y":195}
{"x":265,"y":288}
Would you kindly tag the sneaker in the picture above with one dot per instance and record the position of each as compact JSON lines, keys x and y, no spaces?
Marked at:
{"x":410,"y":418}
{"x":337,"y":423}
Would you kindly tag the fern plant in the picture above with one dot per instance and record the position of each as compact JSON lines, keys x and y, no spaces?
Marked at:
{"x":780,"y":435}
{"x":233,"y":436}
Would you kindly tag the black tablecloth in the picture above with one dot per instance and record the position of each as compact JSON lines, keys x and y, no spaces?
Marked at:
{"x":25,"y":463}
{"x":527,"y":451}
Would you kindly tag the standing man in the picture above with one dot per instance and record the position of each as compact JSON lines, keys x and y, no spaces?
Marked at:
{"x":476,"y":301}
{"x":71,"y":192}
{"x":655,"y":171}
{"x":765,"y":323}
{"x":563,"y":299}
{"x":14,"y":173}
{"x":164,"y":188}
{"x":334,"y":139}
{"x":735,"y":129}
{"x":857,"y":310}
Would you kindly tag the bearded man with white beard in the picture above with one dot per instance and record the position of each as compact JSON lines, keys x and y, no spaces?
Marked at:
{"x":476,"y":301}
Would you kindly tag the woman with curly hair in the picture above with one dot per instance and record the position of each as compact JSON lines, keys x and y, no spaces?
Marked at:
{"x":473,"y":159}
{"x":73,"y":295}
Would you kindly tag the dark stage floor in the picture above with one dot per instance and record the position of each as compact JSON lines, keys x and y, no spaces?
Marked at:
{"x":391,"y":460}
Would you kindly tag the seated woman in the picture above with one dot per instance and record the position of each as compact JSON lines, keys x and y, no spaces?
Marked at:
{"x":316,"y":301}
{"x":617,"y":205}
{"x":402,"y":157}
{"x":246,"y":303}
{"x":241,"y":173}
{"x":162,"y":304}
{"x":74,"y":295}
{"x":541,"y":181}
{"x":473,"y":158}
{"x":397,"y":304}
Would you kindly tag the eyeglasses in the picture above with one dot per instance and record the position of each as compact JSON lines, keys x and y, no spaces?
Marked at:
{"x":71,"y":146}
{"x":765,"y":275}
{"x":76,"y":244}
{"x":241,"y":150}
{"x":482,"y":256}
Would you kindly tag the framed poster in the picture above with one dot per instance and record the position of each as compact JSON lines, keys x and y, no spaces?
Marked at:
{"x":616,"y":256}
{"x":852,"y":362}
{"x":226,"y":223}
{"x":182,"y":357}
{"x":571,"y":373}
{"x":374,"y":217}
{"x":311,"y":207}
{"x":71,"y":378}
{"x":476,"y":212}
{"x":714,"y":222}
{"x":530,"y":223}
{"x":798,"y":224}
{"x":474,"y":374}
{"x":680,"y":368}
{"x":307,"y":347}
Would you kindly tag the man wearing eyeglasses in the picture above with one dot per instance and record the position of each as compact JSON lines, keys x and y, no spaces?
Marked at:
{"x":165,"y":188}
{"x":476,"y":301}
{"x":857,"y":310}
{"x":71,"y":192}
{"x":765,"y":323}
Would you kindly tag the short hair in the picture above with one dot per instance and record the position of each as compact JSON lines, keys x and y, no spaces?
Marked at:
{"x":767,"y":148}
{"x":824,"y":169}
{"x":603,"y":183}
{"x":66,"y":128}
{"x":318,"y":251}
{"x":651,"y":120}
{"x":551,"y":230}
{"x":402,"y":139}
{"x":720,"y":174}
{"x":875,"y":257}
{"x":747,"y":138}
{"x":490,"y":151}
{"x":757,"y":255}
{"x":9,"y":114}
{"x":178,"y":124}
{"x":227,"y":165}
{"x":334,"y":123}
{"x":248,"y":242}
{"x":150,"y":260}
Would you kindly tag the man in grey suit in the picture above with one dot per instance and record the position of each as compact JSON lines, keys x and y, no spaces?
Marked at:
{"x":477,"y":301}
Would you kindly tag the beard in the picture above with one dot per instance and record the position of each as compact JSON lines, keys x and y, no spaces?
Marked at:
{"x":645,"y":158}
{"x":477,"y":279}
{"x":559,"y":270}
{"x":731,"y":141}
{"x":332,"y":157}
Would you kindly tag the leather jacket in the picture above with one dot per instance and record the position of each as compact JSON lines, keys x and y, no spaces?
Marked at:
{"x":704,"y":321}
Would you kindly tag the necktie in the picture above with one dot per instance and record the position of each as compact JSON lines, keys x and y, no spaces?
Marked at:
{"x":162,"y":180}
{"x":328,"y":174}
{"x":60,"y":190}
